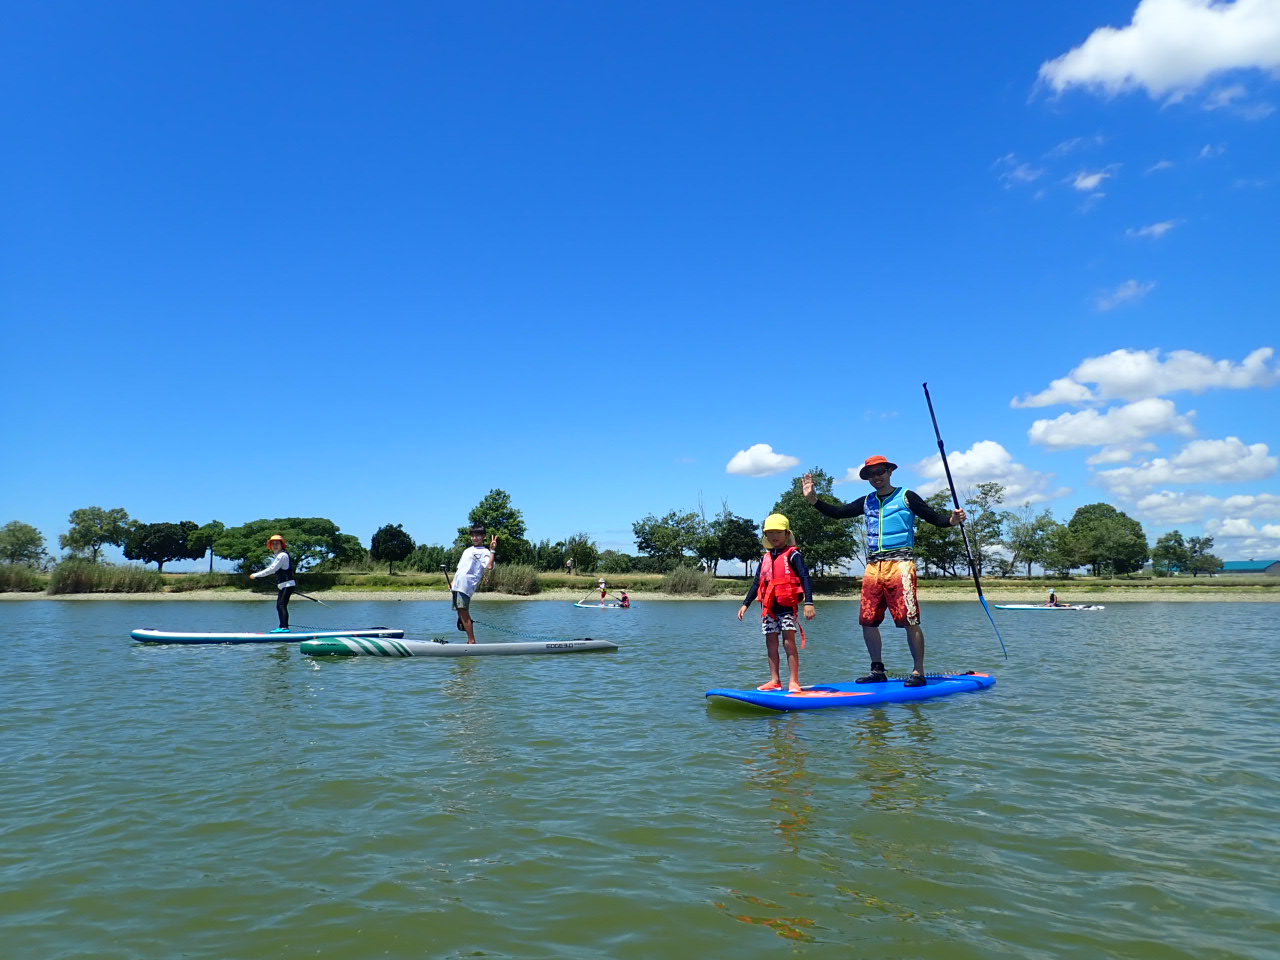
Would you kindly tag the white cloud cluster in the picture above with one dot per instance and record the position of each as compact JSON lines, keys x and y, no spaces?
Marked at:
{"x":760,"y":460}
{"x":1172,"y":47}
{"x":1128,"y":292}
{"x":1118,"y":426}
{"x":1139,"y":374}
{"x":1087,"y":181}
{"x":1199,"y":462}
{"x":986,"y":461}
{"x":1169,"y":508}
{"x":1152,"y":231}
{"x":1237,"y":538}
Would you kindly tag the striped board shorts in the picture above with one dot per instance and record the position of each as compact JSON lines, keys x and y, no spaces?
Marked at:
{"x":889,"y":585}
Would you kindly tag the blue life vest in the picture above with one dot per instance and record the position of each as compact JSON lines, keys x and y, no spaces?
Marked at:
{"x":890,"y":525}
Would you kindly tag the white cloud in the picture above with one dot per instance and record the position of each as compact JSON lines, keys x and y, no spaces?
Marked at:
{"x":1155,"y":230}
{"x":1237,"y":538}
{"x":1014,"y":172}
{"x":1139,"y":374}
{"x":760,"y":461}
{"x":1076,"y":143}
{"x":1160,"y":165}
{"x":1120,"y":454}
{"x":1257,"y":505}
{"x":1171,"y":47}
{"x":1200,"y":461}
{"x":1224,"y":97}
{"x":1167,"y":508}
{"x":987,"y":461}
{"x":1120,"y":425}
{"x":1089,"y":181}
{"x":1128,"y":292}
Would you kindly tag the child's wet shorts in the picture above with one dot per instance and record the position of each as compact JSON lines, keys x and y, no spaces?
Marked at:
{"x":785,"y":620}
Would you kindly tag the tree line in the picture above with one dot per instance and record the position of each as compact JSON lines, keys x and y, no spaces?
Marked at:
{"x":1098,"y":537}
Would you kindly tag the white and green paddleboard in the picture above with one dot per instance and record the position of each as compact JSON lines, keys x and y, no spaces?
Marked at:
{"x":350,"y":646}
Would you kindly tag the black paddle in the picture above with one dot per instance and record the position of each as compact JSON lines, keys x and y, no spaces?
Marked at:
{"x":973,"y":567}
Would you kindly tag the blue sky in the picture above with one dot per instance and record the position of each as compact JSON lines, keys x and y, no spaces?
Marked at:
{"x":370,"y":261}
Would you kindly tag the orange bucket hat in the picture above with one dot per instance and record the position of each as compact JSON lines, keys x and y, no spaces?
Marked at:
{"x":876,"y":461}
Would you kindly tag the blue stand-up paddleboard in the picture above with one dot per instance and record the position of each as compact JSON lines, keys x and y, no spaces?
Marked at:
{"x":293,"y":636}
{"x":600,"y":606}
{"x":349,"y":646}
{"x":853,"y":694}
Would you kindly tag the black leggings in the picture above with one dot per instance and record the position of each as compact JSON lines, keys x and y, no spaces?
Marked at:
{"x":282,"y":605}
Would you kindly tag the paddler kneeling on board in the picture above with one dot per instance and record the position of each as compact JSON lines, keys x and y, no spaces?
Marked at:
{"x":890,"y":579}
{"x":781,"y":583}
{"x":473,"y":563}
{"x":282,"y":566}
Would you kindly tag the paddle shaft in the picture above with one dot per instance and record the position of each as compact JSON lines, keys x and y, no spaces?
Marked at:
{"x":955,"y":499}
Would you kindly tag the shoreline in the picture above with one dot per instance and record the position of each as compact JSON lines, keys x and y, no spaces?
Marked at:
{"x":927,"y":594}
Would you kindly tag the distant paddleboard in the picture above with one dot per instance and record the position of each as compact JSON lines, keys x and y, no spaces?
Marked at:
{"x":1041,"y":606}
{"x":853,"y":694}
{"x":293,"y":636}
{"x":600,"y":606}
{"x":349,"y":646}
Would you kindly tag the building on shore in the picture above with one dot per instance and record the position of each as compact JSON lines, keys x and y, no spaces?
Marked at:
{"x":1270,"y":568}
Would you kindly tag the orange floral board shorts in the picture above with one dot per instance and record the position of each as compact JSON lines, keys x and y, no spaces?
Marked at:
{"x":889,"y":585}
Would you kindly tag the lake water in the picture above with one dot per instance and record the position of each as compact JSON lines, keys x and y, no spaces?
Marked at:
{"x":1115,"y":795}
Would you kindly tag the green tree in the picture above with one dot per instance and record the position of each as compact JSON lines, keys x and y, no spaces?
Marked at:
{"x":159,"y":543}
{"x":1026,"y":535}
{"x":584,"y":553}
{"x":202,"y":539}
{"x":498,"y":515}
{"x":93,"y":528}
{"x":1107,"y":540}
{"x":1060,"y":554}
{"x":1170,"y":555}
{"x":667,"y":538}
{"x":738,"y":538}
{"x":1199,"y":559}
{"x":312,"y":540}
{"x":984,"y":522}
{"x":612,"y":561}
{"x":23,"y":544}
{"x":428,"y":558}
{"x":390,"y":545}
{"x":826,"y":542}
{"x":940,"y":549}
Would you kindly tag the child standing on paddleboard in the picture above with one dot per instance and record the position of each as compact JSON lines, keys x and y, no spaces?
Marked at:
{"x":475,"y":560}
{"x":781,"y":583}
{"x":282,"y":566}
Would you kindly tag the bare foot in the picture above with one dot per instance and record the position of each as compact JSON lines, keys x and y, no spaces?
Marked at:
{"x":770,"y":686}
{"x":470,"y":641}
{"x":794,"y":688}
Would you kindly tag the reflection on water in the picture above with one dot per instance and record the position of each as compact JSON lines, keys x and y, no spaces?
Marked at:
{"x":779,"y":769}
{"x":895,"y":759}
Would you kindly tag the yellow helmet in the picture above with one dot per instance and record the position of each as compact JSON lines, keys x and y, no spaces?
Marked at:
{"x":776,"y":521}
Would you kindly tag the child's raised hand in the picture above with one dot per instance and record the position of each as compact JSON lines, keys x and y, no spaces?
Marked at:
{"x":742,"y":610}
{"x":493,"y":542}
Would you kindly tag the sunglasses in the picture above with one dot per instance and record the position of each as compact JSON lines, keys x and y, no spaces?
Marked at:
{"x":879,"y":472}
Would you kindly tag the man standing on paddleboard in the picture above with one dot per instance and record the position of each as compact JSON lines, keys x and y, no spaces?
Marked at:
{"x":473,"y":563}
{"x":890,"y":579}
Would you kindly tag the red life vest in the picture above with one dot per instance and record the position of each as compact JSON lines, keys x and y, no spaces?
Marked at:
{"x":779,"y":585}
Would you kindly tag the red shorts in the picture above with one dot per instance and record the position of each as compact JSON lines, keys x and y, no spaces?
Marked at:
{"x":889,"y":585}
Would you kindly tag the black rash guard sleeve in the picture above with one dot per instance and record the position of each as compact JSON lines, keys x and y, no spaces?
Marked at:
{"x":842,"y":511}
{"x":802,"y":571}
{"x":926,"y":512}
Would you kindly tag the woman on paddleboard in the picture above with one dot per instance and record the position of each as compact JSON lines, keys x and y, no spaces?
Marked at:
{"x":781,"y":583}
{"x":282,"y":566}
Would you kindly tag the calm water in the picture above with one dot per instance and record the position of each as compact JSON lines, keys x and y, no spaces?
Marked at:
{"x":1115,"y":795}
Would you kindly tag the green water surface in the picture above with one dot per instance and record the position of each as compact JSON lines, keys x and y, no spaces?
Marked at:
{"x":1113,"y":796}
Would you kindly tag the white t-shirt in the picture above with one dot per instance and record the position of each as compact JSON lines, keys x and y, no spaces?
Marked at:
{"x":279,"y":560}
{"x":471,"y":567}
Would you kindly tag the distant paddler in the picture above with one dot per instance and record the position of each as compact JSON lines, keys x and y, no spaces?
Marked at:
{"x":282,"y":566}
